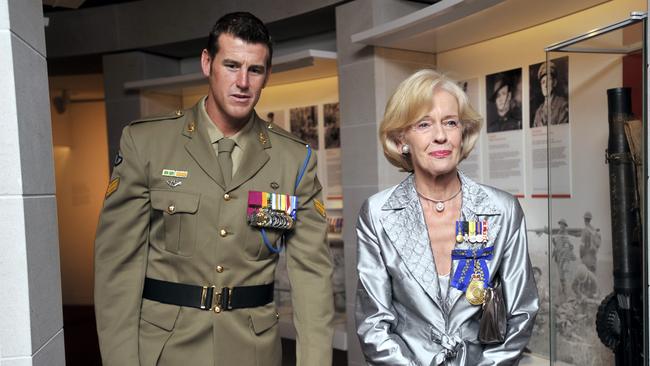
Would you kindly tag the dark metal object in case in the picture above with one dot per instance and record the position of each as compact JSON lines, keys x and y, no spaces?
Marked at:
{"x":619,"y":320}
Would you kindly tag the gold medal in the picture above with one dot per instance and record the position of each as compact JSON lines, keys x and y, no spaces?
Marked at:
{"x":459,"y":232}
{"x":475,"y":293}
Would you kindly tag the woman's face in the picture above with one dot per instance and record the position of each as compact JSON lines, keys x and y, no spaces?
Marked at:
{"x":435,"y":140}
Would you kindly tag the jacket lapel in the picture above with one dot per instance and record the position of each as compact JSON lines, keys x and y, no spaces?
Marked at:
{"x":476,"y":206}
{"x":199,"y":147}
{"x":405,"y":226}
{"x":254,"y":157}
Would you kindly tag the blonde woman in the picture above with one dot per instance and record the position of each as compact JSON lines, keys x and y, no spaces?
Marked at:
{"x":424,"y":242}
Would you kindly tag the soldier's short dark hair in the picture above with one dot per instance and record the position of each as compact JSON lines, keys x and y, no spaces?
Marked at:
{"x":244,"y":26}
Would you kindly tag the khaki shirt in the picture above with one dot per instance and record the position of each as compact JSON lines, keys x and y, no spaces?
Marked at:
{"x":215,"y":135}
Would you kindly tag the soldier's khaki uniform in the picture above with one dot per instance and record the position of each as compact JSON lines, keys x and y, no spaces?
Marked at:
{"x":197,"y":233}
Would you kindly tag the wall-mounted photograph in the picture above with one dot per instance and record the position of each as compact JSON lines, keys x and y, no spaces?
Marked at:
{"x":503,"y":104}
{"x":278,"y":117}
{"x":332,"y":125}
{"x":549,"y":85}
{"x":304,"y":124}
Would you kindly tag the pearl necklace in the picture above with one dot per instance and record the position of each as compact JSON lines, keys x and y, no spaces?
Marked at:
{"x":440,"y":204}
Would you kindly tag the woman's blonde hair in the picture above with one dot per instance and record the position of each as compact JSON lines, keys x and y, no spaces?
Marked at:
{"x":413,"y":100}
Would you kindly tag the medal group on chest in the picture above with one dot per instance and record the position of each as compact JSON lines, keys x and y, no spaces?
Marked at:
{"x":471,"y":231}
{"x":271,"y":210}
{"x":472,"y":273}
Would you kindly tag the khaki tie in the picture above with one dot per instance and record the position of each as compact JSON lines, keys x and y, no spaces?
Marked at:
{"x":225,"y":147}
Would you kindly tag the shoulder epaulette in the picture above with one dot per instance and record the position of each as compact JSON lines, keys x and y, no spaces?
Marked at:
{"x":272,"y":127}
{"x":177,"y":114}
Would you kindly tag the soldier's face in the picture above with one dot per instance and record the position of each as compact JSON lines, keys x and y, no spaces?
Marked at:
{"x":502,"y":100}
{"x":548,"y":83}
{"x":236,"y":75}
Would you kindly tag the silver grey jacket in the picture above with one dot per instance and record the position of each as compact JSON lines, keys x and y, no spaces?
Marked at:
{"x":402,"y":317}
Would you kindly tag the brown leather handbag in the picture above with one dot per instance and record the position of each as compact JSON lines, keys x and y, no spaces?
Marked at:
{"x":492,"y":328}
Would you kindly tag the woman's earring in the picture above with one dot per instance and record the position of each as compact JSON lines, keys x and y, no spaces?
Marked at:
{"x":405,"y":149}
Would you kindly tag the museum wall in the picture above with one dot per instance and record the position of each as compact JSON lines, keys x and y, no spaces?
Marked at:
{"x":584,"y":182}
{"x":81,"y":172}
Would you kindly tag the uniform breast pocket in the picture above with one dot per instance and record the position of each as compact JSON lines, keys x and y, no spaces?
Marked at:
{"x":256,"y":249}
{"x":179,"y":220}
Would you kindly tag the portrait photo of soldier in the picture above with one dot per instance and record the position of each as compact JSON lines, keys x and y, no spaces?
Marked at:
{"x":549,"y":92}
{"x":332,"y":123}
{"x":304,"y":124}
{"x":503,"y":91}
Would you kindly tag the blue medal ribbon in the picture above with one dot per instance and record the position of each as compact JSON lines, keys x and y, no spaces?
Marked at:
{"x":465,"y":268}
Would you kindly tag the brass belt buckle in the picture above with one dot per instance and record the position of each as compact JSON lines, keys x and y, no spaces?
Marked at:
{"x":205,"y":295}
{"x":222,"y":300}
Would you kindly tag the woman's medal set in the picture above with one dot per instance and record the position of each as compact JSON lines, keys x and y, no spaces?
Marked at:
{"x":474,"y":232}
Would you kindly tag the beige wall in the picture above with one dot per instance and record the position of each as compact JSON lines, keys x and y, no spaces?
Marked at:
{"x":590,"y":75}
{"x":284,"y":96}
{"x":81,"y":170}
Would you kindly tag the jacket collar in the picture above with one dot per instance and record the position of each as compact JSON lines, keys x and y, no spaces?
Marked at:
{"x":255,"y":139}
{"x":475,"y":199}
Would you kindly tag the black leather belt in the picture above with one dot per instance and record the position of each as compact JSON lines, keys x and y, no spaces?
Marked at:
{"x":207,"y":297}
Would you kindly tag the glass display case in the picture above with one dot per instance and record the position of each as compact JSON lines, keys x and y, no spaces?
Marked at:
{"x":589,"y":98}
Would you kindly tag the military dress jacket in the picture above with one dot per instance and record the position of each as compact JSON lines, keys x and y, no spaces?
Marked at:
{"x":403,"y":318}
{"x":186,"y":226}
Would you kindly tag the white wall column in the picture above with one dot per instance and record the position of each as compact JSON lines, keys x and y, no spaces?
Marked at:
{"x":124,"y":106}
{"x":31,"y":322}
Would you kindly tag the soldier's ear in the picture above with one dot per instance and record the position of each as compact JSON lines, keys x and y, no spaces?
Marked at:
{"x":206,"y":62}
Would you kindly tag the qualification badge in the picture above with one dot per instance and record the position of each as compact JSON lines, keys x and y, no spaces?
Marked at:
{"x":271,"y":210}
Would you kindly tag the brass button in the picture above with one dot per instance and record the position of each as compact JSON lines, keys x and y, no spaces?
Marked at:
{"x":171,"y":209}
{"x":277,"y":316}
{"x":226,"y":197}
{"x":217,"y":309}
{"x":179,"y":113}
{"x":223,"y":232}
{"x":219,"y":269}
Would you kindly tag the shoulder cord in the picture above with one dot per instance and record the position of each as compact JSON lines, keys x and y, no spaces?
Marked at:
{"x":301,"y":173}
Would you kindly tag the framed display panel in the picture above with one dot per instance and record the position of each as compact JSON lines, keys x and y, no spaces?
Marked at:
{"x":593,"y":108}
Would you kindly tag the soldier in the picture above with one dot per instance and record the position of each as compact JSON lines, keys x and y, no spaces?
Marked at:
{"x":506,"y":118}
{"x":591,"y":240}
{"x":558,"y":105}
{"x":198,"y":205}
{"x":563,"y":253}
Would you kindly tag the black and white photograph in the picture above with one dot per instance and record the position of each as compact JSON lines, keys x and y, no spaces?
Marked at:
{"x":338,"y":277}
{"x":580,"y":278}
{"x":304,"y":124}
{"x":549,"y":85}
{"x":503,"y":101}
{"x":332,"y":125}
{"x":277,"y":117}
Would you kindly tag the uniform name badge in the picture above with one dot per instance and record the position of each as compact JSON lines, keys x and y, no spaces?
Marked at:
{"x":271,"y":210}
